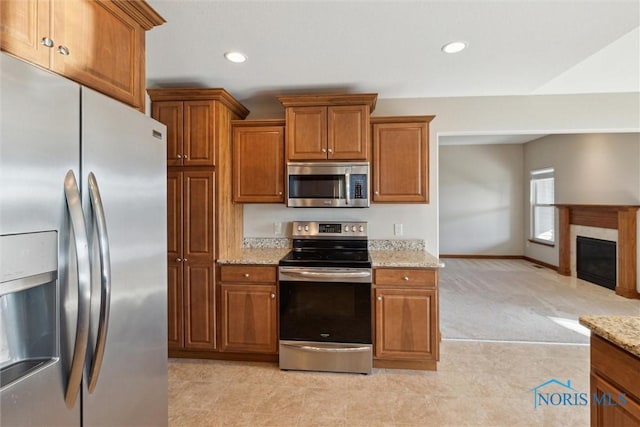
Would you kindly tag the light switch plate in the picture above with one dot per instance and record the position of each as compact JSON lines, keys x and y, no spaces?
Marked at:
{"x":277,"y":228}
{"x":397,"y":229}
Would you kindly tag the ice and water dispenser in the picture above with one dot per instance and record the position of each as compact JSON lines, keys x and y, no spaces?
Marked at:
{"x":28,"y":303}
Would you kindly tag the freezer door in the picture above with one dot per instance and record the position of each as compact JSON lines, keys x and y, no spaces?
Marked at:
{"x":39,"y":143}
{"x":125,"y":152}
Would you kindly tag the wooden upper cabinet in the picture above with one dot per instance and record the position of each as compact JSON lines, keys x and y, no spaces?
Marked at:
{"x":258,"y":161}
{"x":100,"y":44}
{"x":328,"y":127}
{"x":24,"y":24}
{"x":190,"y":131}
{"x":401,"y":159}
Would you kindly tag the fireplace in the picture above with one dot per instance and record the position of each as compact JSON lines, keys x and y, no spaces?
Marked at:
{"x":596,"y":261}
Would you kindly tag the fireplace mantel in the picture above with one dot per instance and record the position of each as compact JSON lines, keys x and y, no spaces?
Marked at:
{"x":618,"y":217}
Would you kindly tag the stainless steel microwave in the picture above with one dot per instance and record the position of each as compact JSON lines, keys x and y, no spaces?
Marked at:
{"x":328,"y":184}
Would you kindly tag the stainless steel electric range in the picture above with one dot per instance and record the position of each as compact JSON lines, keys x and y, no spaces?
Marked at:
{"x":325,"y":299}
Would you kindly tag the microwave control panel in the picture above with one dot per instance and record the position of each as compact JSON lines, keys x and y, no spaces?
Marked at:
{"x":358,"y":186}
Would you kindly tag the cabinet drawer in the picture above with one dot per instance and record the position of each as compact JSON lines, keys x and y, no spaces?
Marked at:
{"x":247,"y":273}
{"x":405,"y":277}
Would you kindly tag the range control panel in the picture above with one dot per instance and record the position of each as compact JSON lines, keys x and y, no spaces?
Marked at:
{"x":344,"y":229}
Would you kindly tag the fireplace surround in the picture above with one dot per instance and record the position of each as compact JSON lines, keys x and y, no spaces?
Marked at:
{"x":618,"y":217}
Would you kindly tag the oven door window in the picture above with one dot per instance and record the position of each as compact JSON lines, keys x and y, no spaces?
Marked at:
{"x":316,"y":186}
{"x":329,"y":312}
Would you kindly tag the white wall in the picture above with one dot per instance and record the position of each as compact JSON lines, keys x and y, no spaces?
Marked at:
{"x":547,"y":114}
{"x":589,"y":169}
{"x":481,"y":204}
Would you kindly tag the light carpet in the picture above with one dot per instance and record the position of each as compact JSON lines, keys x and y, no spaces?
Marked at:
{"x":515,"y":300}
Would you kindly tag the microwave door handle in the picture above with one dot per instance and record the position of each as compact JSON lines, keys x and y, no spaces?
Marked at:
{"x":347,"y":186}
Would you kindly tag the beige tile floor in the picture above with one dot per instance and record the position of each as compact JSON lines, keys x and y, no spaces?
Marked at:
{"x":477,"y":384}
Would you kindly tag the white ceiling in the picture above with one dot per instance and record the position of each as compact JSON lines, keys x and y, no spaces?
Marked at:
{"x":516,"y":47}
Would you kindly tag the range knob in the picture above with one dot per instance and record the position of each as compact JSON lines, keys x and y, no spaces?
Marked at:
{"x":361,"y":229}
{"x":346,"y":228}
{"x":299,"y":228}
{"x":353,"y":228}
{"x":306,"y":228}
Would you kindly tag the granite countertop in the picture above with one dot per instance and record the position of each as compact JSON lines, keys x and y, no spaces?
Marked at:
{"x":269,"y":256}
{"x":623,"y":331}
{"x":404,"y":258}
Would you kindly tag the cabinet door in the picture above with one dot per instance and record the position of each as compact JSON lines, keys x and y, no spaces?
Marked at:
{"x":199,"y":133}
{"x":199,"y":305}
{"x":248,"y":318}
{"x":23,"y":26}
{"x":400,"y":163}
{"x":348,"y":132}
{"x":171,"y":114}
{"x":175,"y":303}
{"x":105,"y":48}
{"x":174,"y":216}
{"x":306,"y":133}
{"x":199,"y":216}
{"x":406,"y":324}
{"x":611,"y":410}
{"x":258,"y":164}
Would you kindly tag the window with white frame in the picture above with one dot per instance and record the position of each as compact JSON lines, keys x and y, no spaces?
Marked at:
{"x":542,"y":209}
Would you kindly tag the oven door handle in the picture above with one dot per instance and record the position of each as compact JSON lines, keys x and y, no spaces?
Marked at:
{"x":327,"y":349}
{"x":337,"y":275}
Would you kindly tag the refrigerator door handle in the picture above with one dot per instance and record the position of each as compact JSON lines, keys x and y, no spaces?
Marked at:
{"x":105,"y":280}
{"x":74,"y":206}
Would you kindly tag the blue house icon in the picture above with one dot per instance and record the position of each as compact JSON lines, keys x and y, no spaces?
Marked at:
{"x":536,"y":389}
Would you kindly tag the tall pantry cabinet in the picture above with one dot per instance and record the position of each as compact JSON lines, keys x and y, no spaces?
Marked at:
{"x":203,"y":222}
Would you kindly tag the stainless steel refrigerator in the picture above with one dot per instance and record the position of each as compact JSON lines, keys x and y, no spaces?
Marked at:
{"x":83,"y":305}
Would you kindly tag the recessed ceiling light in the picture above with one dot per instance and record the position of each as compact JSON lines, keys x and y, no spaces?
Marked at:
{"x":236,"y":57}
{"x":454,"y":47}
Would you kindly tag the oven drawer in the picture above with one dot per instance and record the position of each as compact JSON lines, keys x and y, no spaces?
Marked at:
{"x":405,"y":277}
{"x":248,"y":273}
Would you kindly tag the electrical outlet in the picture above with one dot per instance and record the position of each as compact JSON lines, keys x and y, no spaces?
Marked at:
{"x":397,"y":229}
{"x":277,"y":228}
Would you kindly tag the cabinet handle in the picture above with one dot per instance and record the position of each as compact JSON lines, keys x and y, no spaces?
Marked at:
{"x":179,"y":156}
{"x":246,"y":275}
{"x":46,"y":41}
{"x":405,"y":278}
{"x":178,"y":260}
{"x":379,"y":298}
{"x":273,"y":296}
{"x":63,"y":50}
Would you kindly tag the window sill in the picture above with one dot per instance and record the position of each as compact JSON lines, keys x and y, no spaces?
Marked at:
{"x":538,"y":242}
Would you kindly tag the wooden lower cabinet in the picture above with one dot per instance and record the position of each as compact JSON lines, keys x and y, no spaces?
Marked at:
{"x":407,"y":333}
{"x":615,"y":380}
{"x":248,"y":309}
{"x":199,"y":313}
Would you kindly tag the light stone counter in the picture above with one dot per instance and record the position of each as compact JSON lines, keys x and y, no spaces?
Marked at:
{"x":404,"y":258}
{"x":269,"y":256}
{"x":623,"y":331}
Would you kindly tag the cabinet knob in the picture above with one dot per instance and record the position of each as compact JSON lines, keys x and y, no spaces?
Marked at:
{"x":184,"y":260}
{"x":179,"y":156}
{"x":379,"y":298}
{"x":330,"y":150}
{"x":178,"y":260}
{"x":63,"y":50}
{"x":246,"y":275}
{"x":279,"y":193}
{"x":377,"y":192}
{"x":405,"y":278}
{"x":46,"y":41}
{"x":273,"y":296}
{"x":324,"y":150}
{"x":185,"y":156}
